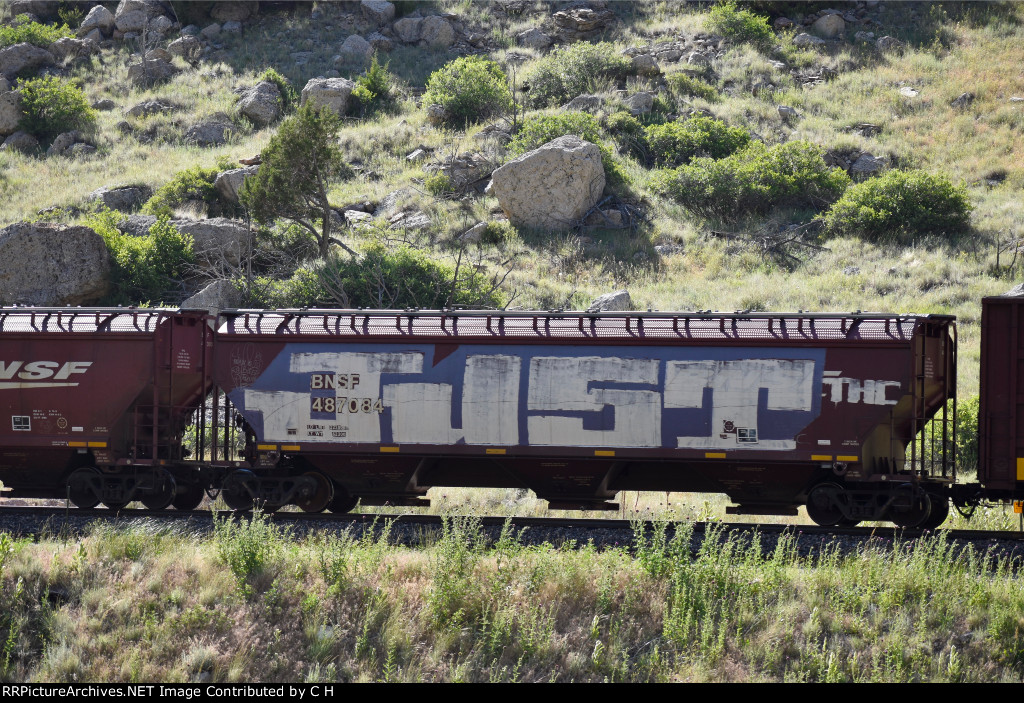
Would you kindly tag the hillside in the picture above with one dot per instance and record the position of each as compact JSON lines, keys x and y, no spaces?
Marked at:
{"x":911,"y":86}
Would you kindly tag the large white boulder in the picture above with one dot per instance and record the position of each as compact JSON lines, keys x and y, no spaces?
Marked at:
{"x":551,"y":187}
{"x":261,"y":103}
{"x":47,"y":264}
{"x":330,"y":92}
{"x":10,"y":112}
{"x":228,"y":183}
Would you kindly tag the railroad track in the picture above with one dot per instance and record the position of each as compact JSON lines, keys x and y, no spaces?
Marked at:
{"x":414,"y":528}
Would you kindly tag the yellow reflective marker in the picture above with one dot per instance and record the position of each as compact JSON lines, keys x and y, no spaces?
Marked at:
{"x":604,"y":452}
{"x":289,"y":447}
{"x":821,"y":457}
{"x":390,"y":450}
{"x":1018,"y":507}
{"x":843,"y":457}
{"x":714,"y":455}
{"x":266,"y":447}
{"x":98,"y":445}
{"x":1020,"y":469}
{"x":492,"y":450}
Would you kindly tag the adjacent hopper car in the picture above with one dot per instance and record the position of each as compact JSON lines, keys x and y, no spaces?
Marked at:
{"x":851,"y":415}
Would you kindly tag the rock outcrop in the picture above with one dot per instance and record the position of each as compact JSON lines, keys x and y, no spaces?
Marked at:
{"x":551,"y":187}
{"x":46,"y":264}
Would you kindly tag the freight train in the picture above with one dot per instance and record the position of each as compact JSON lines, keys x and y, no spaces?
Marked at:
{"x":851,"y":415}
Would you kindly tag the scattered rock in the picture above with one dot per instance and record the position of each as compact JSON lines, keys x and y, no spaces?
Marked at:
{"x":668,"y":249}
{"x":379,"y":12}
{"x":46,"y":264}
{"x":10,"y":112}
{"x":150,"y":71}
{"x":159,"y":55}
{"x":355,"y":48}
{"x":80,"y":150}
{"x":474,"y":233}
{"x":464,"y":170}
{"x":639,"y":103}
{"x":646,"y":65}
{"x":436,"y":32}
{"x":867,"y":165}
{"x":380,"y":42}
{"x":235,"y":11}
{"x":20,"y":141}
{"x":129,"y":22}
{"x":908,"y":92}
{"x":786,"y":112}
{"x":261,"y":104}
{"x":551,"y":187}
{"x":210,"y":31}
{"x":408,"y":29}
{"x":121,"y":198}
{"x":617,"y":301}
{"x":851,"y":270}
{"x":864,"y":36}
{"x":219,"y":295}
{"x":804,"y":40}
{"x":604,"y":218}
{"x":61,"y":143}
{"x":104,"y":105}
{"x":231,"y":27}
{"x":782,"y":23}
{"x":217,"y":239}
{"x":534,"y":38}
{"x":416,"y":155}
{"x":73,"y":48}
{"x":151,"y":107}
{"x":99,"y":18}
{"x":159,"y":25}
{"x":414,"y":220}
{"x":585,"y":103}
{"x":696,"y":58}
{"x":436,"y":114}
{"x":187,"y":47}
{"x":23,"y":57}
{"x":228,"y":183}
{"x":212,"y":132}
{"x":582,"y":22}
{"x":1016,"y":99}
{"x":331,"y":92}
{"x":963,"y":100}
{"x":1017,"y":291}
{"x":829,"y":26}
{"x":889,"y":45}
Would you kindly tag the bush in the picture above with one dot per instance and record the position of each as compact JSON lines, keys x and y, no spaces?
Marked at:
{"x":573,"y":70}
{"x":470,"y":88}
{"x":22,"y":30}
{"x":289,"y":98}
{"x":541,"y":129}
{"x":401,"y":277}
{"x":195,"y":183}
{"x":899,"y":206}
{"x":754,"y":181}
{"x":677,"y":143}
{"x":740,"y":25}
{"x":687,"y":86}
{"x":373,"y":92}
{"x":52,"y":106}
{"x":146,"y":268}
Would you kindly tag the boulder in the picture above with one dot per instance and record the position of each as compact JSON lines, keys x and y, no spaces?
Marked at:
{"x":696,"y":58}
{"x":436,"y":114}
{"x":646,"y":65}
{"x":22,"y":57}
{"x":786,"y":112}
{"x":534,"y":39}
{"x":474,"y":234}
{"x":159,"y":55}
{"x":407,"y":29}
{"x":104,"y":105}
{"x":355,"y":48}
{"x":378,"y":11}
{"x":963,"y":100}
{"x":216,"y":240}
{"x":551,"y":187}
{"x":889,"y":45}
{"x":10,"y":112}
{"x":228,"y":183}
{"x":212,"y":132}
{"x":187,"y":47}
{"x":804,"y":40}
{"x":829,"y":26}
{"x":136,"y":225}
{"x":20,"y":141}
{"x":231,"y":27}
{"x":121,"y":198}
{"x":437,"y":33}
{"x":133,"y":21}
{"x":330,"y":92}
{"x":79,"y":150}
{"x":61,"y":143}
{"x":380,"y":42}
{"x":867,"y":165}
{"x":235,"y":11}
{"x":464,"y":170}
{"x":210,"y":31}
{"x":639,"y":103}
{"x":160,"y":25}
{"x":150,"y":71}
{"x":46,"y":264}
{"x":37,"y":8}
{"x":261,"y":104}
{"x":219,"y":295}
{"x":619,"y":300}
{"x":582,"y":22}
{"x":585,"y":103}
{"x":73,"y":48}
{"x":150,"y":107}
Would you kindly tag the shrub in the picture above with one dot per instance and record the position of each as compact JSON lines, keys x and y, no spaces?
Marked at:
{"x":740,"y":25}
{"x":967,"y":433}
{"x":572,"y":70}
{"x":676,"y":143}
{"x":899,"y":206}
{"x":541,"y":129}
{"x":289,"y":98}
{"x":402,"y":277}
{"x":249,"y":546}
{"x":144,"y":268}
{"x":373,"y":92}
{"x":628,"y":133}
{"x":754,"y":181}
{"x":470,"y":88}
{"x":195,"y":183}
{"x":686,"y":86}
{"x":438,"y":184}
{"x":52,"y":106}
{"x":22,"y":30}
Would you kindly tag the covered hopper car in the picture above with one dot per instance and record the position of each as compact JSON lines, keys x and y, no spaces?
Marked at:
{"x":852,"y":415}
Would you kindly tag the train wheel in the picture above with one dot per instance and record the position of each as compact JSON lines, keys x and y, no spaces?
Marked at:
{"x":234,"y":492}
{"x":189,"y":498}
{"x":915,"y":516}
{"x":822,"y":504}
{"x":939,"y":512}
{"x":84,"y":487}
{"x":164,"y":492}
{"x":318,"y":500}
{"x":342,"y":501}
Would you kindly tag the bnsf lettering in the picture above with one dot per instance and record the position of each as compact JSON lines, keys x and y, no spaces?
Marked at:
{"x":333,"y":381}
{"x":40,"y":370}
